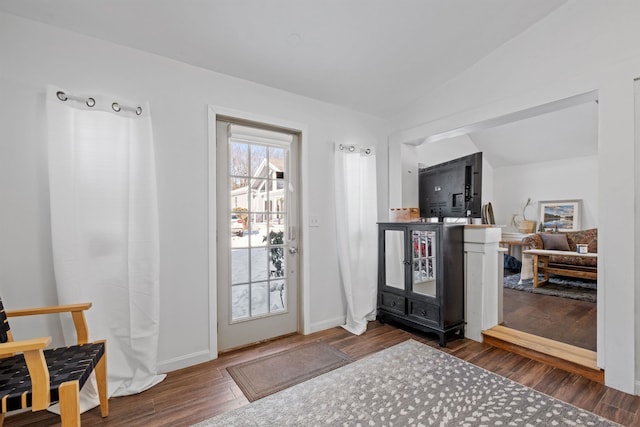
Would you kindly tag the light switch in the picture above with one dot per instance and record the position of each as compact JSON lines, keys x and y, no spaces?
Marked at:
{"x":314,"y":221}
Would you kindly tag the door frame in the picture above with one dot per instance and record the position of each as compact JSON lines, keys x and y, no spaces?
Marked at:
{"x":213,"y":111}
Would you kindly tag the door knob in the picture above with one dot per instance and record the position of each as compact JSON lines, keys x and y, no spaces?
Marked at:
{"x":293,"y":250}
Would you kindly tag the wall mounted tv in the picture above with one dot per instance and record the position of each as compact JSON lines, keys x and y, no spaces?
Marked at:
{"x":452,"y":189}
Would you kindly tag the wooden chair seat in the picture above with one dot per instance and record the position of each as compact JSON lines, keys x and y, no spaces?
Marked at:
{"x":32,"y":376}
{"x":73,"y":363}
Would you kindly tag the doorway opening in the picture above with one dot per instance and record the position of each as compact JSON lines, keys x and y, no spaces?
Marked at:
{"x":544,"y":153}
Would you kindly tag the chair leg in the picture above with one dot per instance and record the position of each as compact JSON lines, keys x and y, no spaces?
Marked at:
{"x":101,"y":379}
{"x":1,"y":420}
{"x":70,"y":403}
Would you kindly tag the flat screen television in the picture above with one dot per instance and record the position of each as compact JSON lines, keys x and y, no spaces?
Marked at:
{"x":452,"y":189}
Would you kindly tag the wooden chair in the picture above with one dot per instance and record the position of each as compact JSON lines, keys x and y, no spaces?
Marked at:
{"x":32,"y":376}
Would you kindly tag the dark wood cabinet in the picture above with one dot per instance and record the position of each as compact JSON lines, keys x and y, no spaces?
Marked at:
{"x":421,"y":276}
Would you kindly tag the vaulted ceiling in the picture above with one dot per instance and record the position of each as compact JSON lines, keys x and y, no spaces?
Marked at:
{"x":561,"y":134}
{"x":374,"y":56}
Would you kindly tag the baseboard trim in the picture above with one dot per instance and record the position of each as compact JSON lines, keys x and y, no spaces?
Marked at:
{"x":637,"y":388}
{"x":183,"y":361}
{"x":204,"y":356}
{"x":327,"y":324}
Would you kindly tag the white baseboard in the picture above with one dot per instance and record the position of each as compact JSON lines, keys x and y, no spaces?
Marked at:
{"x":327,"y":324}
{"x":183,"y":361}
{"x":637,"y":388}
{"x":204,"y":356}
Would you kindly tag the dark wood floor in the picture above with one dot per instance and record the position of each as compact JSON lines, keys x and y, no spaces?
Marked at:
{"x":194,"y":394}
{"x":561,"y":319}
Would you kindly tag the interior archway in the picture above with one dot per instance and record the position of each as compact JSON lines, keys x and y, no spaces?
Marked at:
{"x":548,"y":152}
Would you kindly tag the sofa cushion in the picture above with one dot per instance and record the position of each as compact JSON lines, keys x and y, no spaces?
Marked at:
{"x":588,"y":237}
{"x":577,"y":261}
{"x":555,"y":242}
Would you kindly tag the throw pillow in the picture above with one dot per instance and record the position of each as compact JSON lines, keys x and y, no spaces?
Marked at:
{"x":555,"y":242}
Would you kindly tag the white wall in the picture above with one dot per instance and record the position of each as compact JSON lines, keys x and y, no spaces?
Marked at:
{"x":34,"y":55}
{"x":566,"y":179}
{"x":409,"y":177}
{"x":584,"y":46}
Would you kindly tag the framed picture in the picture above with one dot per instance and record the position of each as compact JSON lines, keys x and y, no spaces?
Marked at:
{"x":561,"y":215}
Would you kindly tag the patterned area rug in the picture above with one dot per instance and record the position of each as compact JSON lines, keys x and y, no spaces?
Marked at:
{"x":559,"y":286}
{"x":264,"y":376}
{"x":409,"y":384}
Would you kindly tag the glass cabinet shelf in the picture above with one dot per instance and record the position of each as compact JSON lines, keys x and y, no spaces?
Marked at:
{"x":424,"y":262}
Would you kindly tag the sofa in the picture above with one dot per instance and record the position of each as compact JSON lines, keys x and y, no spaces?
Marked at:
{"x":566,"y":241}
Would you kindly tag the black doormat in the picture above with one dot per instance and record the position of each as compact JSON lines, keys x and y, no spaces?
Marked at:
{"x":558,"y":286}
{"x":266,"y":375}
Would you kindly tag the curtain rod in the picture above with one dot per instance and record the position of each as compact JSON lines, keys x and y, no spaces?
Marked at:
{"x":353,"y":148}
{"x":91,"y":102}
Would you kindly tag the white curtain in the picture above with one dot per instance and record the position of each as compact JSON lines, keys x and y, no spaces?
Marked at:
{"x":104,"y":225}
{"x":357,"y":234}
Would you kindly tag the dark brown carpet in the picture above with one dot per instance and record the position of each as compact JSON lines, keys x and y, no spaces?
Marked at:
{"x":264,"y":376}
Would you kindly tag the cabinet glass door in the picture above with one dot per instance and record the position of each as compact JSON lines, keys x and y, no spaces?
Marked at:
{"x":394,"y":258}
{"x":424,"y":274}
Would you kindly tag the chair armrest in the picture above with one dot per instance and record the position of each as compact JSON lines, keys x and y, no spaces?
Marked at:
{"x":49,"y":309}
{"x":37,"y":366}
{"x":76,"y":310}
{"x":24,"y":345}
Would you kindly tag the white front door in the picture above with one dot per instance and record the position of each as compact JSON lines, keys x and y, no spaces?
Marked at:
{"x":257,"y":215}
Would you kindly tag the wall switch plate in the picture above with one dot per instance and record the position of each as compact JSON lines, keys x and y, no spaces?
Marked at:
{"x":314,"y":221}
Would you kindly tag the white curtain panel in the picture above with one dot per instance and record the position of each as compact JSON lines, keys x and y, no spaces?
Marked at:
{"x":104,"y":225}
{"x":357,"y":241}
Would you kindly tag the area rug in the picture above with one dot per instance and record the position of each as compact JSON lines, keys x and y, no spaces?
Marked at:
{"x":266,"y":375}
{"x":409,"y":384}
{"x":559,"y":286}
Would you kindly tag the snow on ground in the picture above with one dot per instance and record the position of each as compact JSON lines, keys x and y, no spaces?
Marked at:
{"x":250,"y":262}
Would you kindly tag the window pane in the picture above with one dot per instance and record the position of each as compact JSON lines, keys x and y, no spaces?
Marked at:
{"x":239,"y":266}
{"x":276,"y":261}
{"x":237,"y":223}
{"x":258,"y":195}
{"x":259,"y":298}
{"x":259,"y":161}
{"x":239,"y":302}
{"x":259,"y":232}
{"x":277,"y":224}
{"x":238,"y":159}
{"x":239,"y":200}
{"x":259,"y":264}
{"x":278,"y":295}
{"x":277,"y":198}
{"x":277,"y":159}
